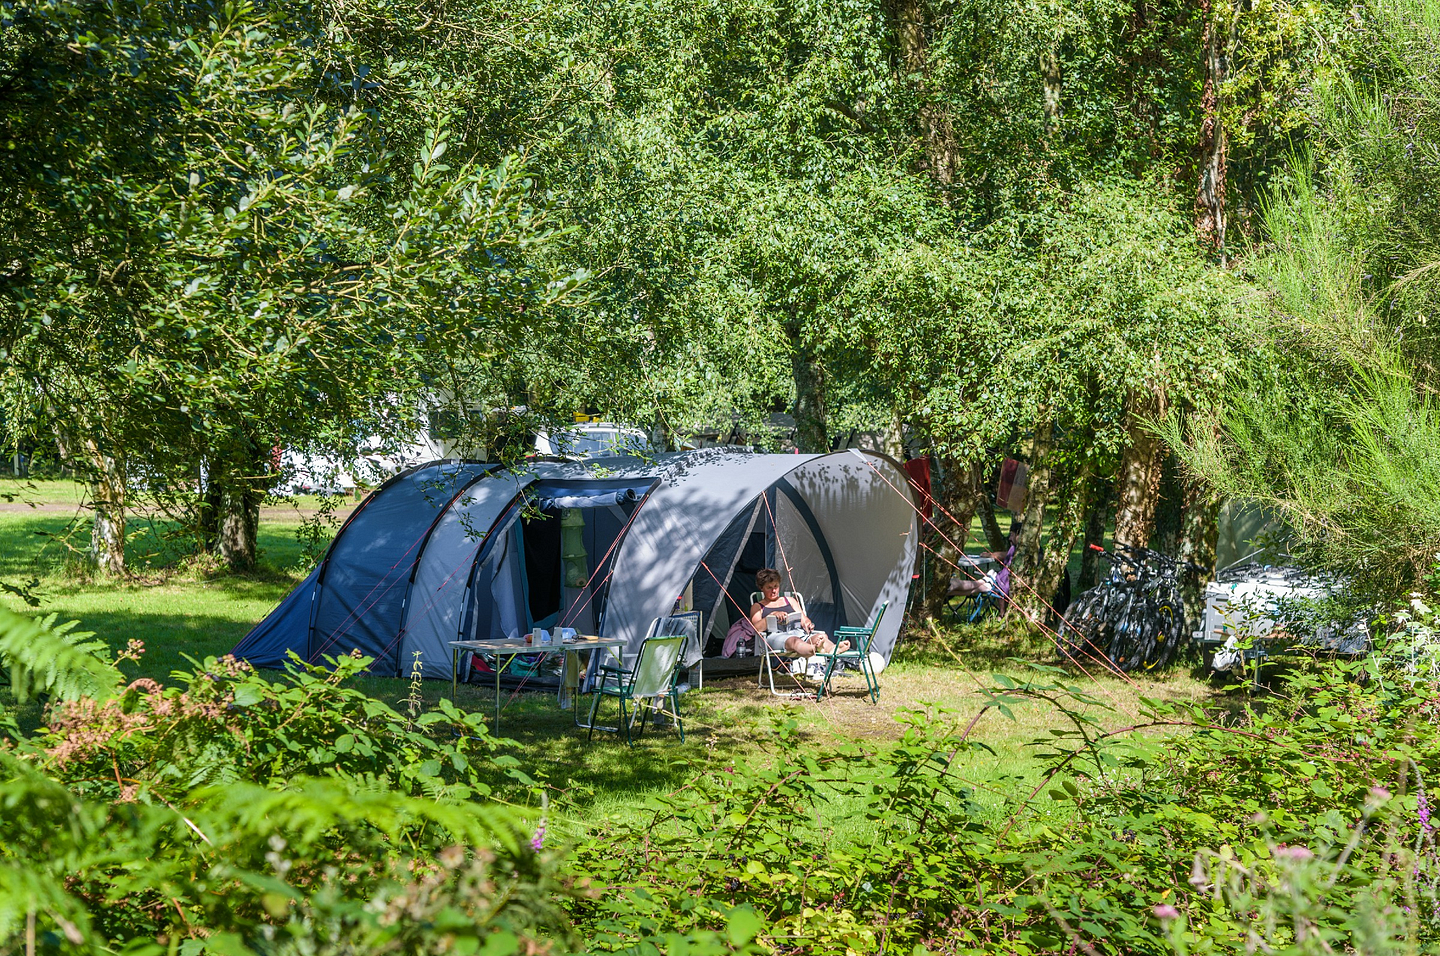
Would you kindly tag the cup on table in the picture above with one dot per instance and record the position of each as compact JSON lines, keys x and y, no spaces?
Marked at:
{"x":529,"y":637}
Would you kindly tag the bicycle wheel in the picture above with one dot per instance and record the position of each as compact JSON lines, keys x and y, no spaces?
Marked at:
{"x":1162,"y":647}
{"x":1121,"y":646}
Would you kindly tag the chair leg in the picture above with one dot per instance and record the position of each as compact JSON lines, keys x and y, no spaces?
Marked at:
{"x":625,"y":723}
{"x":679,"y":724}
{"x":824,"y":687}
{"x":594,"y":710}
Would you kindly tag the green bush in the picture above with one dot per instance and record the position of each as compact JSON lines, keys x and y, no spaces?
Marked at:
{"x":1288,"y":827}
{"x":233,"y":813}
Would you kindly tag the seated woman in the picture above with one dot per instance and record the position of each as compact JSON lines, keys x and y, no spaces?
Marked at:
{"x":997,"y":584}
{"x":795,"y":631}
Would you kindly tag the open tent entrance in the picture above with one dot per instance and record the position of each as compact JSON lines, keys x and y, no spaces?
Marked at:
{"x":780,"y":530}
{"x":549,"y":560}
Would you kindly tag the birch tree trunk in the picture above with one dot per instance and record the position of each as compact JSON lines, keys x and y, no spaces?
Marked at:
{"x":107,"y":534}
{"x":1138,"y":485}
{"x":913,"y":23}
{"x":1210,"y":193}
{"x":1050,"y":94}
{"x":105,"y":474}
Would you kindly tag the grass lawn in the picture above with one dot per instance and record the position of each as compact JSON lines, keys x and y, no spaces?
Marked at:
{"x":179,"y":613}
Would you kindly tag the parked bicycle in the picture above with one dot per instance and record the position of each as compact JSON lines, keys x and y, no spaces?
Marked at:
{"x":1135,"y":617}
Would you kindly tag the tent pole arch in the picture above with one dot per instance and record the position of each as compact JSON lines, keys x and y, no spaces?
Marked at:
{"x":399,"y":640}
{"x":330,"y":551}
{"x":806,"y":515}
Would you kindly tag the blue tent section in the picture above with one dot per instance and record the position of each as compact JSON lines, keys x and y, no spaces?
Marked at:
{"x":364,"y":580}
{"x":283,"y":630}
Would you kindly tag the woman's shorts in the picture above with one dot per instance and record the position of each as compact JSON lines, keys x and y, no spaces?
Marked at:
{"x":778,"y":639}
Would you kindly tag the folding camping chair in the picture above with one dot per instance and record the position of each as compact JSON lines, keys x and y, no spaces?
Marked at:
{"x":860,"y":639}
{"x":692,"y":656}
{"x":770,"y":657}
{"x":648,"y":683}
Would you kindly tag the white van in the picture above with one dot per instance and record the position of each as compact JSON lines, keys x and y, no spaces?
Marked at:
{"x":593,"y":440}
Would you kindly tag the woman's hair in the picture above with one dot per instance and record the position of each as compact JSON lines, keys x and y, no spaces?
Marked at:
{"x":1016,"y":527}
{"x":766,"y":577}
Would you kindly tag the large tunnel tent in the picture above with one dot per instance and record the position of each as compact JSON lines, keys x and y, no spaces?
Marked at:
{"x":455,"y":550}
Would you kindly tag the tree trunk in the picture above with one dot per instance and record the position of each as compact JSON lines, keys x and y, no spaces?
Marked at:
{"x":107,"y":534}
{"x":991,"y":524}
{"x":1138,"y":485}
{"x":1074,"y":498}
{"x":955,"y":487}
{"x":1169,"y":506}
{"x":1027,"y":562}
{"x":1210,"y":194}
{"x":1199,"y":533}
{"x":892,"y":441}
{"x":239,"y":525}
{"x":105,"y":473}
{"x":1094,"y":535}
{"x":811,"y":427}
{"x":1050,"y":77}
{"x":913,"y":23}
{"x":230,"y":508}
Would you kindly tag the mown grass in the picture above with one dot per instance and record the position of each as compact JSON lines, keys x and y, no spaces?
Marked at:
{"x":181,"y":613}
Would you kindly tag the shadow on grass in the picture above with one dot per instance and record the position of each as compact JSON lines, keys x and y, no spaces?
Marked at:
{"x":52,"y":546}
{"x":988,"y":645}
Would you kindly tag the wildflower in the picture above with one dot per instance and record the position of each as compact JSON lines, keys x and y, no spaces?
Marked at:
{"x":537,"y":842}
{"x":1422,"y":810}
{"x":1165,"y":911}
{"x":1297,"y":853}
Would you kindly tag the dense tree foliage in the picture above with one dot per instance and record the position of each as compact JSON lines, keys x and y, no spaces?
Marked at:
{"x":1333,"y":424}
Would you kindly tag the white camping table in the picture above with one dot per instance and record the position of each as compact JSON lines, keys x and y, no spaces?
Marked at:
{"x":509,"y":649}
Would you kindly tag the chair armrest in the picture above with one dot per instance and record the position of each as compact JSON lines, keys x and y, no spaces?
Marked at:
{"x":852,"y":631}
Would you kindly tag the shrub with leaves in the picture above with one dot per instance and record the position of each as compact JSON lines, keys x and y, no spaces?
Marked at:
{"x":225,"y":722}
{"x":1300,"y":823}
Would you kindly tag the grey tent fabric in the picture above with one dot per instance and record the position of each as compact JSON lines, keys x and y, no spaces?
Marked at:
{"x":361,"y":589}
{"x":700,"y":493}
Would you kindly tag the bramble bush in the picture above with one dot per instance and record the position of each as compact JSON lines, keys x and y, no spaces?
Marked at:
{"x":1295,"y":824}
{"x":235,"y":813}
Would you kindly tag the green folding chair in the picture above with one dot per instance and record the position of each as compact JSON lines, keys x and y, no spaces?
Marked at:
{"x":646,"y":686}
{"x":860,"y":639}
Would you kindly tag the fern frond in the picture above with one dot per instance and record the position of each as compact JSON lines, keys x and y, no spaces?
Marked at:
{"x":45,"y":658}
{"x":309,"y":808}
